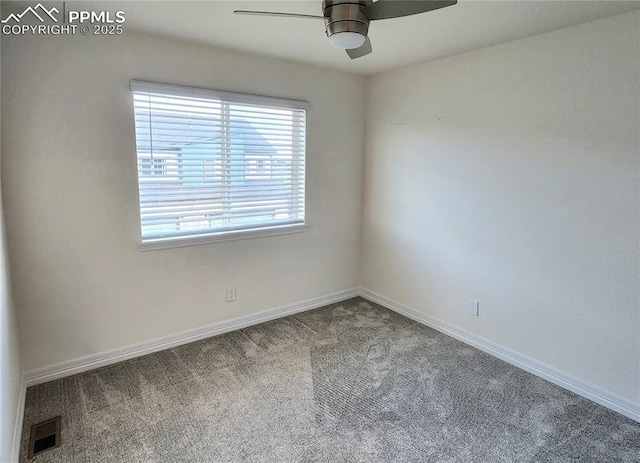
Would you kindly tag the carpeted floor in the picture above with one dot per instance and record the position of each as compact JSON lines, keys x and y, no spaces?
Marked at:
{"x":351,"y":382}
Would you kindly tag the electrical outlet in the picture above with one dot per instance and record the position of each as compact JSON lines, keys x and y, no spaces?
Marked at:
{"x":473,"y":307}
{"x":231,"y":294}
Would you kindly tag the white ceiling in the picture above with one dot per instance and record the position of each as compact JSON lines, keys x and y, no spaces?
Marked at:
{"x":469,"y":25}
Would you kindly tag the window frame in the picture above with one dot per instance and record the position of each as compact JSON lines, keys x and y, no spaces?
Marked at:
{"x":224,"y":235}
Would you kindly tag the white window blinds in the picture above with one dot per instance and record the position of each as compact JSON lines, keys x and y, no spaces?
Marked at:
{"x":215,"y":162}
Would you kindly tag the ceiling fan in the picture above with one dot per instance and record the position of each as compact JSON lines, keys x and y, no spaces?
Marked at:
{"x":347,"y":21}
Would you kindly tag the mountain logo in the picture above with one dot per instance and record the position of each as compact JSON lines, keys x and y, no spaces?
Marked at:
{"x":34,"y":11}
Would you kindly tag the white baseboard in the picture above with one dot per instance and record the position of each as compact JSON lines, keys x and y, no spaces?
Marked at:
{"x":564,"y":380}
{"x":90,"y":362}
{"x":17,"y":429}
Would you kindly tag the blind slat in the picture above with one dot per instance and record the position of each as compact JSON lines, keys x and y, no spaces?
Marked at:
{"x":188,"y":220}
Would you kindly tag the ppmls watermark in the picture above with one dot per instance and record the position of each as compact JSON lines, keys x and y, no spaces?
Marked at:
{"x":48,"y":22}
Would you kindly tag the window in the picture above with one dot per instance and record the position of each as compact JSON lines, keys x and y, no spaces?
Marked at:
{"x":216,"y":165}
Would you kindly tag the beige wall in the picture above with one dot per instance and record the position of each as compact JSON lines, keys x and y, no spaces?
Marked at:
{"x":510,"y":175}
{"x":82,"y":286}
{"x":10,"y":368}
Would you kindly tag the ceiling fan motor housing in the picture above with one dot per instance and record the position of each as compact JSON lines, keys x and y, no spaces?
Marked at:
{"x":345,"y":16}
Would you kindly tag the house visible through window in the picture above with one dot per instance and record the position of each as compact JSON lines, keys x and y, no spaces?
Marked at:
{"x":216,"y":164}
{"x":155,"y":166}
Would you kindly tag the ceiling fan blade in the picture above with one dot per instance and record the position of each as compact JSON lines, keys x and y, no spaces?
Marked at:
{"x":387,"y":9}
{"x":280,"y":15}
{"x":364,"y":49}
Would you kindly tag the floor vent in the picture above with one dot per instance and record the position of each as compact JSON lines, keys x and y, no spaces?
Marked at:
{"x":44,"y":436}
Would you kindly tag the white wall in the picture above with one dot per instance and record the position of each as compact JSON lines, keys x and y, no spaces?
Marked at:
{"x":10,"y":368}
{"x":510,"y":175}
{"x":81,"y":284}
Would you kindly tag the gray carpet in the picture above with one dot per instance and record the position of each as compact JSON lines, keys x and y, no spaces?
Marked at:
{"x":350,"y":382}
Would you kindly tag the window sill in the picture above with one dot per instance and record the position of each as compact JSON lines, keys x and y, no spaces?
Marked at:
{"x":178,"y":242}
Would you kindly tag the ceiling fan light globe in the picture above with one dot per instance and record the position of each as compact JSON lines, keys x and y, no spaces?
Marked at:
{"x":347,"y":40}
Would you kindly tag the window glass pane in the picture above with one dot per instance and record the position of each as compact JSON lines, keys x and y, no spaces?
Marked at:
{"x":210,"y":166}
